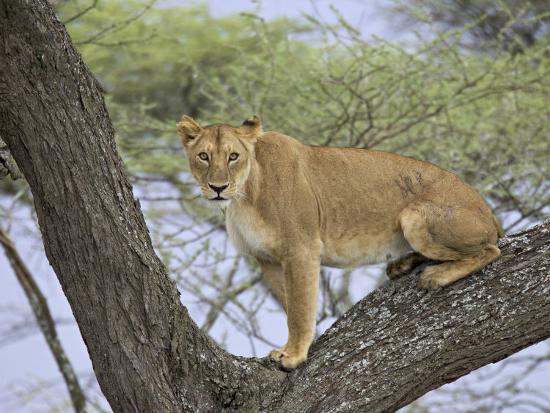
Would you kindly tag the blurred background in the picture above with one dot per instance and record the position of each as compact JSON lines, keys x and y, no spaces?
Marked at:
{"x":463,"y":84}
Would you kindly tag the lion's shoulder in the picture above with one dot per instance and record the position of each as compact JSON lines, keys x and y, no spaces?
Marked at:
{"x":278,"y":139}
{"x":275,"y":146}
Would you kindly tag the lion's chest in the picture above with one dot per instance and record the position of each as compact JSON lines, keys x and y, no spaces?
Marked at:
{"x":247,"y":231}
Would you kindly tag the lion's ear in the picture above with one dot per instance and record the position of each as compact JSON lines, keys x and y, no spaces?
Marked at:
{"x":251,"y":127}
{"x":188,"y":129}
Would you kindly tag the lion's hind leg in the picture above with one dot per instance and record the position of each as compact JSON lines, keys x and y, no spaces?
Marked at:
{"x":436,"y":276}
{"x":464,"y":239}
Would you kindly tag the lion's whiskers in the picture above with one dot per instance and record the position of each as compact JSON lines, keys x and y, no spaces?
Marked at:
{"x":241,"y":194}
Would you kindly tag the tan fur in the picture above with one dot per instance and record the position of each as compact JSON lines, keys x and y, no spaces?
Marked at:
{"x":295,"y":207}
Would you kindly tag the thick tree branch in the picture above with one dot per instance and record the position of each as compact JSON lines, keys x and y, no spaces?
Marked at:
{"x":45,"y":321}
{"x":148,"y":355}
{"x":400,"y":342}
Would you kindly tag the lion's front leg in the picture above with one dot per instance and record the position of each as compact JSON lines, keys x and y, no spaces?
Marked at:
{"x":301,"y":273}
{"x":275,"y":278}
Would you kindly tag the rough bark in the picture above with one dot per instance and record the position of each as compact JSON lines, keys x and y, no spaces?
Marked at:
{"x":148,"y":355}
{"x":8,"y":167}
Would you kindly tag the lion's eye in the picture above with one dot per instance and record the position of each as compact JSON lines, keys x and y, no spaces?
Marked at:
{"x":203,"y":156}
{"x":233,"y":156}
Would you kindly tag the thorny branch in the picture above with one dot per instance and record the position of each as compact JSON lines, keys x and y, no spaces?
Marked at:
{"x":45,"y":321}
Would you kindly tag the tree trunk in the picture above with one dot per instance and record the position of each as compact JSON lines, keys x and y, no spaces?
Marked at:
{"x":148,"y":355}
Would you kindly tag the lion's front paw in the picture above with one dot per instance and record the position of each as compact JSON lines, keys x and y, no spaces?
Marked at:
{"x":432,"y":278}
{"x":287,"y":360}
{"x":277,"y":354}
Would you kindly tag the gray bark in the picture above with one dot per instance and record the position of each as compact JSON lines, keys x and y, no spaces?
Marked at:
{"x":148,"y":355}
{"x":8,"y":167}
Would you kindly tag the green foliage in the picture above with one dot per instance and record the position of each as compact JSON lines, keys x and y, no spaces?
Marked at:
{"x":482,"y":116}
{"x":160,"y":55}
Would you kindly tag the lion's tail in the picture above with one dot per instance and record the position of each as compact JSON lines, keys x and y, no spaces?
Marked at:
{"x":498,"y":225}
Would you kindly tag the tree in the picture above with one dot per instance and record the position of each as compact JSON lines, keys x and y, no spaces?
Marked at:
{"x":510,"y":24}
{"x":147,"y":353}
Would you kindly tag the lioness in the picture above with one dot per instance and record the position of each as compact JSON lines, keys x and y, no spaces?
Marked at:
{"x":296,"y":207}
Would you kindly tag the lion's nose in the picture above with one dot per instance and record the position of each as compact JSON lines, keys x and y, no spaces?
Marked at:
{"x":218,"y":189}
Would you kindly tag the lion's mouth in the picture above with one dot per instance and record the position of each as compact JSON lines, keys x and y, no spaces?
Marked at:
{"x":218,"y":198}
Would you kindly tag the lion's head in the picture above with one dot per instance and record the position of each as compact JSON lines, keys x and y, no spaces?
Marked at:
{"x":220,"y":156}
